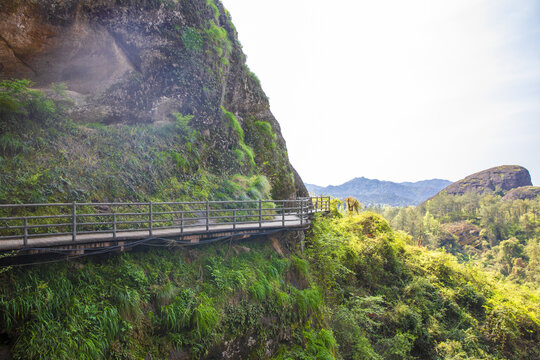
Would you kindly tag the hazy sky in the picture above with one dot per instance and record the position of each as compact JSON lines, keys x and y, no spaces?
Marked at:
{"x":398,"y":90}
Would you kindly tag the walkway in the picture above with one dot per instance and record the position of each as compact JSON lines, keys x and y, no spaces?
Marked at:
{"x":31,"y":226}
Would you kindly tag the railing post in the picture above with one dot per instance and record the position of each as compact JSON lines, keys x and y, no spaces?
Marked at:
{"x":260,"y":214}
{"x":25,"y":231}
{"x":283,"y":214}
{"x":74,"y":221}
{"x":207,"y":215}
{"x":182,"y":222}
{"x":114,"y":225}
{"x":301,"y":212}
{"x":234,"y":219}
{"x":151,"y":218}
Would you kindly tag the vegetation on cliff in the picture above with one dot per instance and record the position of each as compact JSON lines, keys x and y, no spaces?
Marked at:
{"x":46,"y":157}
{"x":155,"y":302}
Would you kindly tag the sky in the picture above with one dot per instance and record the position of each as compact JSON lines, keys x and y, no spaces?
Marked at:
{"x":398,"y":90}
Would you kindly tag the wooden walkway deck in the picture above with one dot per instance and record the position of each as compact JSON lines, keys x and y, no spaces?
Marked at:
{"x":36,"y":226}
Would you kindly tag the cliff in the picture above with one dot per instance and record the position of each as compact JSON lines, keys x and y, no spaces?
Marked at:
{"x":154,"y":94}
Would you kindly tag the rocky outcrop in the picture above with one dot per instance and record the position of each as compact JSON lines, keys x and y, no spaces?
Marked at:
{"x":523,"y":193}
{"x":499,"y":179}
{"x":139,"y":61}
{"x":465,"y":233}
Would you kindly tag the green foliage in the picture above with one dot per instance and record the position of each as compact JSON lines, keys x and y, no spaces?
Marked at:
{"x":205,"y":317}
{"x":242,"y":187}
{"x":483,"y":229}
{"x":248,"y":151}
{"x":192,"y":39}
{"x":180,"y":162}
{"x":182,"y":125}
{"x":152,"y":302}
{"x":218,"y":39}
{"x":60,"y":89}
{"x":266,"y":128}
{"x":20,"y":103}
{"x":336,"y":208}
{"x":389,"y":299}
{"x":319,"y":345}
{"x":175,"y":313}
{"x":308,"y":301}
{"x":127,"y":302}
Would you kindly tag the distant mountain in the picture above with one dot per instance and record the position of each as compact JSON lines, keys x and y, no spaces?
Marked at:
{"x":372,"y":191}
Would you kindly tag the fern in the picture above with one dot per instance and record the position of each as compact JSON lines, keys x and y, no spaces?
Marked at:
{"x":205,"y":317}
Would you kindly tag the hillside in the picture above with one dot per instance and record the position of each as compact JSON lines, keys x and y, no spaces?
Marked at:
{"x":128,"y":100}
{"x":372,"y":191}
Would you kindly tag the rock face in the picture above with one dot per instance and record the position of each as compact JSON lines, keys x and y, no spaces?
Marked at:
{"x":499,"y":179}
{"x":139,"y":61}
{"x":522,"y":193}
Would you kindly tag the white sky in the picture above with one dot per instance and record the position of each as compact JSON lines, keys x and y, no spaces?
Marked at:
{"x":398,"y":90}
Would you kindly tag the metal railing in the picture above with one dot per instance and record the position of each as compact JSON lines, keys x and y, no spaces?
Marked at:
{"x":27,"y":221}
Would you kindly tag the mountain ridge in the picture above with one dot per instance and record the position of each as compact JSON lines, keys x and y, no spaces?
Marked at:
{"x":375,"y":191}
